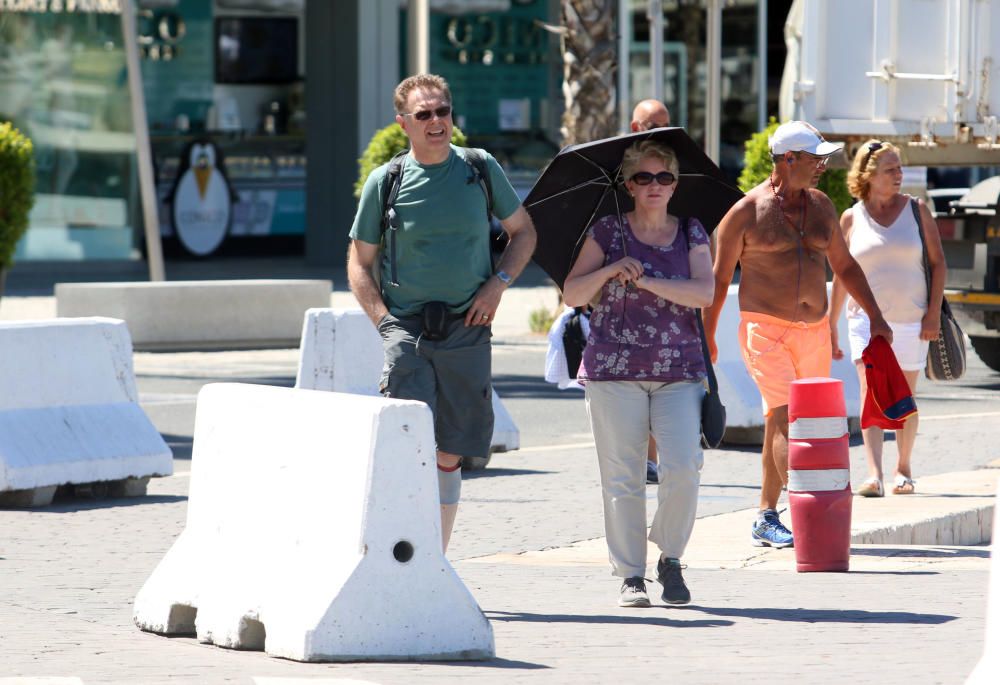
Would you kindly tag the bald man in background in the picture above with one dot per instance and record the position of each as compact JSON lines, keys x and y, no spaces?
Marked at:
{"x":650,"y":114}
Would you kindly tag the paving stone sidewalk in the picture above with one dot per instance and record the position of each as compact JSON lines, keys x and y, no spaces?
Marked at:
{"x":903,"y":615}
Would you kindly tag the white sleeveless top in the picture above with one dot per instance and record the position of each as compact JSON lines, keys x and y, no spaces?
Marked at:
{"x":892,"y":259}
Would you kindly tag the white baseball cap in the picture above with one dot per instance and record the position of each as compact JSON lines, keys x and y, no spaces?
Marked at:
{"x":798,"y":136}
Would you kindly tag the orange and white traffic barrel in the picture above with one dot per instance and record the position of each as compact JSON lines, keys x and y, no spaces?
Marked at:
{"x":819,"y":474}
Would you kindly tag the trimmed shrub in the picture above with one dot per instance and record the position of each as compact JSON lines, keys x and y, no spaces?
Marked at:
{"x":17,"y":189}
{"x":757,"y":167}
{"x":384,"y":145}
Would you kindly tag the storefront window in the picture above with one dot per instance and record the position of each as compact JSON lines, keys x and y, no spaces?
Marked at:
{"x":63,"y":75}
{"x":685,"y":76}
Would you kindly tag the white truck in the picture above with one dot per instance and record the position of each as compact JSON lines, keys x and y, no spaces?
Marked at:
{"x":925,"y":75}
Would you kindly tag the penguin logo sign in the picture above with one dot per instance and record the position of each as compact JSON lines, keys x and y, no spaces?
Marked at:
{"x":202,"y":200}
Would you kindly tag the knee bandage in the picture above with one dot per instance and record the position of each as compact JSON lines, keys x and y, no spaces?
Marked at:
{"x":449,"y":484}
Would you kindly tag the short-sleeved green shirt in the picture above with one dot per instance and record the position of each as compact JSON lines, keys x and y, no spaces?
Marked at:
{"x":442,"y":245}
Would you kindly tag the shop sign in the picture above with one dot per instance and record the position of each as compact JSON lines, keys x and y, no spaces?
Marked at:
{"x":501,"y":39}
{"x":484,"y":55}
{"x":60,"y":6}
{"x":202,"y":199}
{"x":160,"y":31}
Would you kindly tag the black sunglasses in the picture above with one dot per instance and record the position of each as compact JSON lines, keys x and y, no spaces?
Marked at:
{"x":872,"y":149}
{"x":644,"y":178}
{"x":425,"y":114}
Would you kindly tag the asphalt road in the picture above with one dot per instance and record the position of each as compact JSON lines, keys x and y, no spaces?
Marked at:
{"x":546,"y":494}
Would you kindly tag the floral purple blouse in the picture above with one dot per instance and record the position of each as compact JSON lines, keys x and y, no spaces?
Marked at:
{"x":635,"y":335}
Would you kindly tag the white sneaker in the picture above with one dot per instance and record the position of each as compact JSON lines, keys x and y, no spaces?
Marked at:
{"x":633,"y":593}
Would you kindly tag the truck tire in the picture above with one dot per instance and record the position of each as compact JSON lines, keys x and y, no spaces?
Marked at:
{"x":988,"y":350}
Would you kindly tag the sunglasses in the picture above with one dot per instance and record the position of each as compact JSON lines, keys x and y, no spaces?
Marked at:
{"x":644,"y":178}
{"x":872,"y":149}
{"x":815,"y":159}
{"x":426,"y":114}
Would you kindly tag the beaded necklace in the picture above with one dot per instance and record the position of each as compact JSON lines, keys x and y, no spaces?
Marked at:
{"x":781,"y":207}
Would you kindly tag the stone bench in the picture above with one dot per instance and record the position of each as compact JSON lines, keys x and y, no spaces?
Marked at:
{"x":70,"y":414}
{"x":177,"y":315}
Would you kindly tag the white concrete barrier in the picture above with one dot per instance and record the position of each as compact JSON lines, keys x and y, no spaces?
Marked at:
{"x":200,"y":314}
{"x":69,"y":411}
{"x":313,"y":532}
{"x":987,"y":671}
{"x":744,"y":415}
{"x":341,"y":351}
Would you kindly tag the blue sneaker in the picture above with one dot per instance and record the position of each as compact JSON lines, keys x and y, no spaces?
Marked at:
{"x":768,"y":531}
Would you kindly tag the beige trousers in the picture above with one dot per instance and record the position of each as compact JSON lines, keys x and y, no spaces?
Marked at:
{"x":622,"y":416}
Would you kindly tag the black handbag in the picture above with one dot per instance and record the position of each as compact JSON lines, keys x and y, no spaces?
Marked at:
{"x":945,"y":354}
{"x":574,"y":341}
{"x":713,"y":412}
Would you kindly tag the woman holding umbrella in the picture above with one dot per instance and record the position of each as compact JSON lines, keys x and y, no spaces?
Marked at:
{"x":643,"y":367}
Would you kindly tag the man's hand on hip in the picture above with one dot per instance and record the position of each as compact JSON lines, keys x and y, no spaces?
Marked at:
{"x":484,"y":305}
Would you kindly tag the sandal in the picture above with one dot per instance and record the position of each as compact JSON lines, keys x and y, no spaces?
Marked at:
{"x":871,"y":488}
{"x":904,"y":485}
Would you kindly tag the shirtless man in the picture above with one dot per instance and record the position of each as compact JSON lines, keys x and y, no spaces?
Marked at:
{"x":782,"y":233}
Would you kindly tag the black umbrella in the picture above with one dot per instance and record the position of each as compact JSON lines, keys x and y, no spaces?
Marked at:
{"x":583,"y":183}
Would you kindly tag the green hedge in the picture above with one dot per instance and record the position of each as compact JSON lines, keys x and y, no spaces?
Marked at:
{"x":17,"y":189}
{"x":757,"y":167}
{"x":384,"y":145}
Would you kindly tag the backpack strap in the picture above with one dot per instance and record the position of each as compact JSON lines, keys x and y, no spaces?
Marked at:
{"x":713,"y":384}
{"x":390,"y":220}
{"x":481,"y":175}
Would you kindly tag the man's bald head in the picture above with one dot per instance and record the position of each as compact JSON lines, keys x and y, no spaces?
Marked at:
{"x":650,"y":114}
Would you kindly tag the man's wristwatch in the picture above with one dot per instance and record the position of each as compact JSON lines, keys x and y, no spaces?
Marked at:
{"x":504,"y":277}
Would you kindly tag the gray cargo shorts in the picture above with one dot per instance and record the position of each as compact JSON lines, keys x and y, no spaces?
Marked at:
{"x":453,"y":376}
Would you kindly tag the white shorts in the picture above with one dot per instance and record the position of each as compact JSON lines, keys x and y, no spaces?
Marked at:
{"x":910,"y":350}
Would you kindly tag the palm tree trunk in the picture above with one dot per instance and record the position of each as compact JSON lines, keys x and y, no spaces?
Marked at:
{"x":589,"y":70}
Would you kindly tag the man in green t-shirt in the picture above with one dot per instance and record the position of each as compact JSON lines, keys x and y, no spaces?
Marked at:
{"x":434,"y":299}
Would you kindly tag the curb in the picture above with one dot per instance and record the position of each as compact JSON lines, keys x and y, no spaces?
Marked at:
{"x":951,"y":509}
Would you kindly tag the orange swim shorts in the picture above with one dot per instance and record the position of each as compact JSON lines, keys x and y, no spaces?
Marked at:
{"x":777,"y":352}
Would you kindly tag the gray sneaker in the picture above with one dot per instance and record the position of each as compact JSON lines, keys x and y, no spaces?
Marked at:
{"x":668,"y":574}
{"x":633,"y":593}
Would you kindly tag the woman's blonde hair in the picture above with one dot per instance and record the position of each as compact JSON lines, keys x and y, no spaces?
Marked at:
{"x":648,"y":148}
{"x":864,"y":165}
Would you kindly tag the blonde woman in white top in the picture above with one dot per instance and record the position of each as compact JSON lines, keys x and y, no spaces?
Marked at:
{"x":883,"y":237}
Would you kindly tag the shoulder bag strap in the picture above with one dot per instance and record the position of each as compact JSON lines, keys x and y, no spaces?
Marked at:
{"x":713,"y":384}
{"x":923,"y":246}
